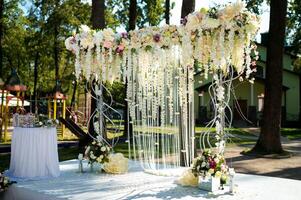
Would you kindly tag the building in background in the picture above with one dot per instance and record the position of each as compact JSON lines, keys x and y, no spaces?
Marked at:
{"x":249,"y":99}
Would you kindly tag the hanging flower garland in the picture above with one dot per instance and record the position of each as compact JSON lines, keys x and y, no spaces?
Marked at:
{"x":214,"y":38}
{"x":158,"y":64}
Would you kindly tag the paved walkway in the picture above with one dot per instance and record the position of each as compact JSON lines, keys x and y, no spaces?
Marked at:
{"x":284,"y":167}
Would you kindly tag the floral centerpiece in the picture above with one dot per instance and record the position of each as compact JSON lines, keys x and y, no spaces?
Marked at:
{"x":4,"y":182}
{"x":97,"y":152}
{"x":212,"y":165}
{"x":44,"y":121}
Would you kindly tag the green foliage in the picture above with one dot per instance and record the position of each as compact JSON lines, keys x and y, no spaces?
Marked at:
{"x":154,"y":11}
{"x":149,"y":12}
{"x":294,"y":27}
{"x":34,"y":29}
{"x":31,"y":34}
{"x":117,"y":90}
{"x":254,"y":6}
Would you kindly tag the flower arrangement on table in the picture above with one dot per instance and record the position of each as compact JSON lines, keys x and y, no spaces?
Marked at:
{"x":211,"y":168}
{"x":44,"y":121}
{"x":211,"y":164}
{"x":4,"y":182}
{"x":97,"y":152}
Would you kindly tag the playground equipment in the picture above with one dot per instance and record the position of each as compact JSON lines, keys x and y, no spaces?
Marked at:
{"x":13,"y":84}
{"x":57,"y":106}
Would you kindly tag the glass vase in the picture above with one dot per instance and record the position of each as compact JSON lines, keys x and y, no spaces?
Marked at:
{"x":91,"y":167}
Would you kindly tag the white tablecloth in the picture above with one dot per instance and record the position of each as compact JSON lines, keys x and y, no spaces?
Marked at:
{"x":143,"y":186}
{"x":34,"y":153}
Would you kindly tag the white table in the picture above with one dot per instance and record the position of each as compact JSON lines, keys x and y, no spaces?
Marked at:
{"x":34,"y":153}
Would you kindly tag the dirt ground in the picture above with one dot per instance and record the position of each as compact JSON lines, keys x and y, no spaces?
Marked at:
{"x":289,"y":167}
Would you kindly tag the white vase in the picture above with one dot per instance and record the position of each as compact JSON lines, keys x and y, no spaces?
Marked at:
{"x":210,"y":184}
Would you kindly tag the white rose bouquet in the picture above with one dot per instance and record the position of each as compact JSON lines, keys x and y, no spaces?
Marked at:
{"x":97,"y":152}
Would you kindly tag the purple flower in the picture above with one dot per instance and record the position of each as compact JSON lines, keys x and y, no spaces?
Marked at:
{"x":124,"y":35}
{"x":120,"y":48}
{"x":157,"y":37}
{"x":184,"y":21}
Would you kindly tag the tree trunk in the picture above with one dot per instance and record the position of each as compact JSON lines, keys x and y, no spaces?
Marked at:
{"x":98,"y":22}
{"x":167,"y":11}
{"x":188,"y":6}
{"x":35,"y":99}
{"x":132,"y":14}
{"x":1,"y":35}
{"x":98,"y":14}
{"x":269,"y":140}
{"x":56,"y":48}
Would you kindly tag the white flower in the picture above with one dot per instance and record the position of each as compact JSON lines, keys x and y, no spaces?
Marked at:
{"x":68,"y":43}
{"x":229,"y":12}
{"x":99,"y":159}
{"x":87,"y":150}
{"x":5,"y":181}
{"x":97,"y":37}
{"x":210,"y":23}
{"x":192,"y":22}
{"x":218,"y":174}
{"x":203,"y":164}
{"x":84,"y":28}
{"x":86,"y":40}
{"x":211,"y":171}
{"x":101,"y":156}
{"x":103,"y":148}
{"x":108,"y":34}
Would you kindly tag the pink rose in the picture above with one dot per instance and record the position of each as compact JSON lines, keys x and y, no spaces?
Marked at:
{"x":107,"y":44}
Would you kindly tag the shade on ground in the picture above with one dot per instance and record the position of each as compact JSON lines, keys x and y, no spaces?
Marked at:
{"x":139,"y":185}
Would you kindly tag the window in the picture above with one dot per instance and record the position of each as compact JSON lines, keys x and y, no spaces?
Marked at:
{"x":260,"y":102}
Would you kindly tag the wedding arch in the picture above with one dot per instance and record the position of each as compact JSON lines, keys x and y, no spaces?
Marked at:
{"x":158,"y":64}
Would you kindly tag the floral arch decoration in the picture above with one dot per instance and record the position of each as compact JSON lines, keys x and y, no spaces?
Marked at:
{"x":159,"y":64}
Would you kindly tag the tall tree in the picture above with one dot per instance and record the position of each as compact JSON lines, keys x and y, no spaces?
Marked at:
{"x":98,"y":22}
{"x":167,"y":11}
{"x":98,"y":14}
{"x":56,"y":45}
{"x":132,"y":15}
{"x":269,"y":140}
{"x":1,"y":34}
{"x":188,"y":6}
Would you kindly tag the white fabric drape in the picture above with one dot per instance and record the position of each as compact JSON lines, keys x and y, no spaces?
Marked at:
{"x":34,"y":153}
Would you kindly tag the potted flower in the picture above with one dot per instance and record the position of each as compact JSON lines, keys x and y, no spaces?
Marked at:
{"x":212,"y":169}
{"x":97,"y":152}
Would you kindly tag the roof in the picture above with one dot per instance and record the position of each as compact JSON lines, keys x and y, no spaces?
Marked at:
{"x":205,"y":87}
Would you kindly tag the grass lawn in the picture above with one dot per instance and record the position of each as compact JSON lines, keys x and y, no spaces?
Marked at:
{"x":291,"y":133}
{"x":72,"y":152}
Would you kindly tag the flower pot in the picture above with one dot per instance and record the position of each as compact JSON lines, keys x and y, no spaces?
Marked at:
{"x":210,"y":184}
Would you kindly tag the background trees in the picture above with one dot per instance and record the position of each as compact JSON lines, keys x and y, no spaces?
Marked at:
{"x":269,"y":139}
{"x":32,"y":34}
